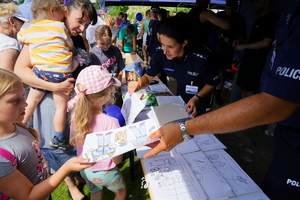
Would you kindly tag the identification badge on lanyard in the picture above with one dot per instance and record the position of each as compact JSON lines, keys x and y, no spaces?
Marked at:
{"x":190,"y":89}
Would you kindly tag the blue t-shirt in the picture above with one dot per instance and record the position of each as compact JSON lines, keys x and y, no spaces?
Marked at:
{"x":196,"y":67}
{"x":281,"y":75}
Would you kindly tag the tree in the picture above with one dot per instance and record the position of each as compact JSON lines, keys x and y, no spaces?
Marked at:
{"x":115,"y":10}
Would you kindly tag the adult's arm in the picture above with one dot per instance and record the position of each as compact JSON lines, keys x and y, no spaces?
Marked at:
{"x":16,"y":181}
{"x":141,"y":32}
{"x":120,"y":44}
{"x":252,"y":111}
{"x":142,"y":83}
{"x":24,"y":71}
{"x":8,"y":59}
{"x":133,"y":45}
{"x":209,"y":16}
{"x":264,"y":43}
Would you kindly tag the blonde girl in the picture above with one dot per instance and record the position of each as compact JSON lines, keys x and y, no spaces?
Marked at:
{"x":30,"y":178}
{"x":94,"y":88}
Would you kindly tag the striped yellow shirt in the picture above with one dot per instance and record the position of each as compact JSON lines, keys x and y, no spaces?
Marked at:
{"x":49,"y":45}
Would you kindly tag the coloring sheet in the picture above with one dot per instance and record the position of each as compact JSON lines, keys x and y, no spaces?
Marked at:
{"x":170,"y":178}
{"x":182,"y":148}
{"x":251,"y":196}
{"x":211,"y":181}
{"x":234,"y":175}
{"x":132,"y":106}
{"x":107,"y":144}
{"x":207,"y":142}
{"x":141,"y":151}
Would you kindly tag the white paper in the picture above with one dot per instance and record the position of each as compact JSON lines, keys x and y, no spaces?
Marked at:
{"x":211,"y":181}
{"x":108,"y":144}
{"x":170,"y":112}
{"x":207,"y":142}
{"x":170,"y":178}
{"x":234,"y":175}
{"x":169,"y":99}
{"x":131,"y":107}
{"x":182,"y":148}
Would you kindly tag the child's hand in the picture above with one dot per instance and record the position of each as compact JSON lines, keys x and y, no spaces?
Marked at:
{"x":78,"y":164}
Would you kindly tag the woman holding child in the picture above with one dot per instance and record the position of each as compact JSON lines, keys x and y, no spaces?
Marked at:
{"x":78,"y":15}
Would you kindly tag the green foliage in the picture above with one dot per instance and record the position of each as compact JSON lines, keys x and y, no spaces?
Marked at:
{"x":115,"y":10}
{"x":133,"y":10}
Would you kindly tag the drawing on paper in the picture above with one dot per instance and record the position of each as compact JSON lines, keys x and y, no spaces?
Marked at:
{"x":104,"y":150}
{"x":102,"y":145}
{"x":140,"y":133}
{"x":170,"y":178}
{"x":121,"y":137}
{"x":238,"y":180}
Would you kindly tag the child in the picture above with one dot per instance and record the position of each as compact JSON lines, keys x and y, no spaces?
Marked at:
{"x":49,"y":43}
{"x":30,"y":178}
{"x":109,"y":56}
{"x":94,"y":88}
{"x":127,"y":39}
{"x":106,"y":54}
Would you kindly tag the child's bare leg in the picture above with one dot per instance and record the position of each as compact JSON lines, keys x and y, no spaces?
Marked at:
{"x":118,"y":159}
{"x":96,"y":196}
{"x":33,"y":99}
{"x":59,"y":121}
{"x":121,"y":194}
{"x":59,"y":139}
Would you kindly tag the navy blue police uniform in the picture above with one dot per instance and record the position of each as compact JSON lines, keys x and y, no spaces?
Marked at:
{"x":196,"y":68}
{"x":281,"y":78}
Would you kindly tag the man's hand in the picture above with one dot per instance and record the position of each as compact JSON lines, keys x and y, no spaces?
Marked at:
{"x":169,"y":135}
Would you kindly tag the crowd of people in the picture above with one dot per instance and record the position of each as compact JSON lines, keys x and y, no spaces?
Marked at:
{"x":61,"y":65}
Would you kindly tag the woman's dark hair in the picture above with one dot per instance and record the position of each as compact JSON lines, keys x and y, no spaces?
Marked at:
{"x":162,"y":13}
{"x":176,"y":27}
{"x":85,"y":6}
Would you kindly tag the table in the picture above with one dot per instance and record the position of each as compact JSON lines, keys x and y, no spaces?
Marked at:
{"x":197,"y":169}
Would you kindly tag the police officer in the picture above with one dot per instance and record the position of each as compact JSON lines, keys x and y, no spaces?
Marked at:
{"x":278,"y":102}
{"x":194,"y":70}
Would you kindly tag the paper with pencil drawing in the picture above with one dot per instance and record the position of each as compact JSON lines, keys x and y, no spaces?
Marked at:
{"x":171,"y":178}
{"x":107,"y":144}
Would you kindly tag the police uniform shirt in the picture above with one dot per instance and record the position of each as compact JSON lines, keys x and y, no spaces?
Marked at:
{"x":281,"y":78}
{"x":195,"y":67}
{"x":281,"y":75}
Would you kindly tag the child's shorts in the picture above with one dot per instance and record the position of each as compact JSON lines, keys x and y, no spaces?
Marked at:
{"x":112,"y":179}
{"x":54,"y":77}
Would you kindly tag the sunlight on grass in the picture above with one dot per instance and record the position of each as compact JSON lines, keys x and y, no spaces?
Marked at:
{"x":134,"y":191}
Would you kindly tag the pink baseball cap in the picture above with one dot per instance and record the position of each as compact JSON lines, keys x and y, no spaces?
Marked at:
{"x":95,"y":78}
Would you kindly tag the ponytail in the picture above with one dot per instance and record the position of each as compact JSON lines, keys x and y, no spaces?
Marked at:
{"x":31,"y":130}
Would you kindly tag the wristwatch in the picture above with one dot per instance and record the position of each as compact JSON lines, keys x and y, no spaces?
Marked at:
{"x":199,"y":98}
{"x":184,"y":132}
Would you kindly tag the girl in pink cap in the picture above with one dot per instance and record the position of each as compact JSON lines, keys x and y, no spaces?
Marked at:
{"x":94,"y":88}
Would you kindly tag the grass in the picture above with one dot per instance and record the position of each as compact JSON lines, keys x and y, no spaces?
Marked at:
{"x":134,"y":188}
